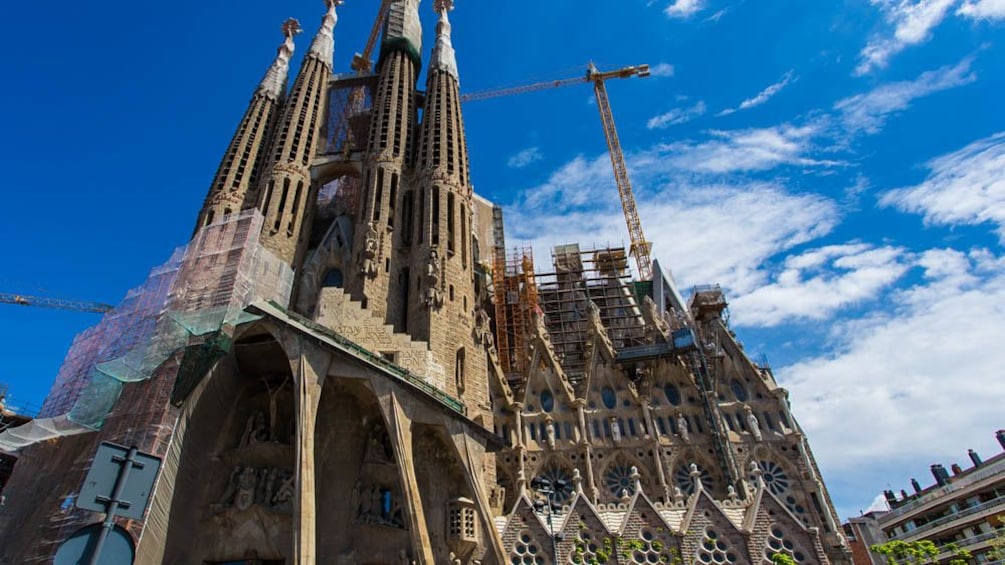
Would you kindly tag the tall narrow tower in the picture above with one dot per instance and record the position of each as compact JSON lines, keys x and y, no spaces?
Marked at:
{"x":287,"y":195}
{"x":441,"y":258}
{"x":235,"y":186}
{"x":379,"y":229}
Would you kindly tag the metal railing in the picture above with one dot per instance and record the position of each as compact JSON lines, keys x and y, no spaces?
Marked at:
{"x":953,"y":517}
{"x":988,"y":470}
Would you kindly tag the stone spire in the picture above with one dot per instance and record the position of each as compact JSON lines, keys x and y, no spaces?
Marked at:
{"x":324,"y":42}
{"x":286,"y":192}
{"x":403,"y":30}
{"x":444,"y":58}
{"x":274,"y":82}
{"x":234,"y":188}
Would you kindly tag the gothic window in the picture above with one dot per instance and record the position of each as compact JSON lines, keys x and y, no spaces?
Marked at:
{"x":774,"y":477}
{"x":377,"y":203}
{"x":282,"y":205}
{"x":609,"y":397}
{"x":618,"y":479}
{"x":295,"y":207}
{"x":715,"y":550}
{"x":333,"y":279}
{"x":652,"y":547}
{"x":526,"y":551}
{"x":686,"y":483}
{"x":392,"y":200}
{"x":554,"y":473}
{"x":435,"y":208}
{"x":777,"y":543}
{"x":672,"y":393}
{"x":739,"y":390}
{"x":547,"y":401}
{"x":450,"y":222}
{"x":406,"y":217}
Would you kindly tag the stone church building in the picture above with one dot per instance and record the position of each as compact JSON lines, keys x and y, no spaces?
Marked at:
{"x":346,"y":366}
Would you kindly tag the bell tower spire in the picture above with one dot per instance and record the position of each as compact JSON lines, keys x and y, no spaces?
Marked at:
{"x":234,"y":186}
{"x":287,"y":193}
{"x":384,"y":221}
{"x":448,"y":306}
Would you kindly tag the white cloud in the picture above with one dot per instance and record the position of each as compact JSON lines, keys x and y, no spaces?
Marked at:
{"x":755,"y":149}
{"x":662,"y":70}
{"x":868,"y":112}
{"x":817,"y":283}
{"x":917,"y":381}
{"x":684,"y":8}
{"x":983,"y":9}
{"x":524,"y":158}
{"x":753,"y":221}
{"x":963,"y":187}
{"x":762,"y":96}
{"x":676,"y":116}
{"x":912,"y":21}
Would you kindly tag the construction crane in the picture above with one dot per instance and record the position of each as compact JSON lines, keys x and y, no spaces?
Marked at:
{"x":27,"y":300}
{"x":640,"y":247}
{"x":361,"y":62}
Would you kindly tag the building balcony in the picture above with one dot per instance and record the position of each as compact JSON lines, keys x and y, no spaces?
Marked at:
{"x":993,"y":506}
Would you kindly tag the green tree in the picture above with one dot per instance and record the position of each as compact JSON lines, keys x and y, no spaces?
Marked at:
{"x":998,"y":542}
{"x":782,"y":559}
{"x":917,"y":552}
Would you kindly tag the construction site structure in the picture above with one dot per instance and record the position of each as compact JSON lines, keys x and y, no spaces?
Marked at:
{"x":641,"y":248}
{"x":376,"y":380}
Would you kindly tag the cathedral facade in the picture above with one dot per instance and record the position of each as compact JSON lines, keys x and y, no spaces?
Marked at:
{"x":346,"y":366}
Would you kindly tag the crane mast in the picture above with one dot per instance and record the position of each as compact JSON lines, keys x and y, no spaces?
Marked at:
{"x":640,"y":248}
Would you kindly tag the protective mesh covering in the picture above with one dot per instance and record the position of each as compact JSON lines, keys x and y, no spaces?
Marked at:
{"x":349,"y":103}
{"x":203,"y":289}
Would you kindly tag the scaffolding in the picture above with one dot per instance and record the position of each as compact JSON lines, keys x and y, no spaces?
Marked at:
{"x":201,"y":291}
{"x":515,"y":291}
{"x":600,"y":276}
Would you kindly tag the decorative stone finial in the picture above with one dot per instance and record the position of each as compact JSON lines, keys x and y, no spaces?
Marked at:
{"x":273,"y":84}
{"x":323,"y":46}
{"x":444,"y":57}
{"x":731,"y":492}
{"x":577,"y":481}
{"x":696,"y":478}
{"x":758,"y":474}
{"x":636,"y":478}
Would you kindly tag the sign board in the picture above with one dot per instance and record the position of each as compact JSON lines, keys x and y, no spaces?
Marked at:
{"x":118,"y":549}
{"x":100,"y":482}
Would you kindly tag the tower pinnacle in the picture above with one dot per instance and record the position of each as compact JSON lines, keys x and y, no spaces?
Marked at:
{"x":444,"y":58}
{"x":324,"y":42}
{"x":274,"y":83}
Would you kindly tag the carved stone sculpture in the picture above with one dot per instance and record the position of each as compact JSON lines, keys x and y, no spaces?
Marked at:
{"x":246,"y":483}
{"x":434,"y":296}
{"x":682,"y":427}
{"x":755,"y":425}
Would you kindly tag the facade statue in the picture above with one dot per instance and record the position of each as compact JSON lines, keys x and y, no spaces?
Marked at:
{"x":434,"y":296}
{"x":753,"y":423}
{"x":682,"y":427}
{"x":246,"y":483}
{"x":369,"y":259}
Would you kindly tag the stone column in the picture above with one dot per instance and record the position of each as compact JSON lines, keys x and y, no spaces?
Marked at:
{"x":399,"y":428}
{"x":472,"y":456}
{"x":310,"y":365}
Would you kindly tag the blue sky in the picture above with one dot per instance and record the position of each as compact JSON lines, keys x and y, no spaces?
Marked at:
{"x":838,"y":166}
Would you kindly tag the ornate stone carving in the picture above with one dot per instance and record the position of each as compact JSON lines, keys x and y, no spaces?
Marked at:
{"x":755,"y":425}
{"x":256,"y":430}
{"x":368,"y":262}
{"x":434,"y":295}
{"x":682,"y":428}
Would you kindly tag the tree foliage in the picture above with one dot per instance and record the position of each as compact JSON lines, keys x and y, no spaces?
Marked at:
{"x":899,"y":552}
{"x":782,"y":559}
